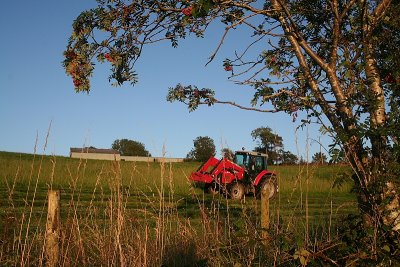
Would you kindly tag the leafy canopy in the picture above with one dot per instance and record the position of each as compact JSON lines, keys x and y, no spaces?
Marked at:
{"x":130,"y":148}
{"x":305,"y":49}
{"x":203,"y":149}
{"x":268,"y":142}
{"x":227,"y":153}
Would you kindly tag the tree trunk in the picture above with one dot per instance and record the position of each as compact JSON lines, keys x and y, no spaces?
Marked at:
{"x":391,"y":210}
{"x":378,"y":201}
{"x":378,"y":197}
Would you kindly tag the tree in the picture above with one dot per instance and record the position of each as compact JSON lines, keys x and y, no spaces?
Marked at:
{"x":130,"y":148}
{"x":337,"y":62}
{"x":288,"y":157}
{"x":203,"y":149}
{"x":272,"y":144}
{"x":319,"y":158}
{"x":268,"y":143}
{"x":227,"y":153}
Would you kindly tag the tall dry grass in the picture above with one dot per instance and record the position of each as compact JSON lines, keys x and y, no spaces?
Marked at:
{"x":148,"y":214}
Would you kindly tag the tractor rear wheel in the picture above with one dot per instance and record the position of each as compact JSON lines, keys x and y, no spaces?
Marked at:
{"x":236,"y":190}
{"x":268,"y":183}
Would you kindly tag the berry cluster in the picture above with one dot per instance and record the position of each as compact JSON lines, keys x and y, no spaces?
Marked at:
{"x":390,"y":79}
{"x":187,"y":11}
{"x":228,"y":67}
{"x":109,"y":58}
{"x":73,"y":67}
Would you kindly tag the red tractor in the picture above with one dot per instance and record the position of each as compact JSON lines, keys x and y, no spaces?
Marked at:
{"x":247,"y":174}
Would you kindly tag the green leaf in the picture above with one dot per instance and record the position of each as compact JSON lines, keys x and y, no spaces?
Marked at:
{"x":386,"y":248}
{"x":296,"y":255}
{"x":303,"y":261}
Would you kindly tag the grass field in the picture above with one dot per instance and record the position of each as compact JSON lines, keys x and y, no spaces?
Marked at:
{"x":120,"y":213}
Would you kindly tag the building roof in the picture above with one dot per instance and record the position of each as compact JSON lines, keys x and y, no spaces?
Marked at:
{"x":94,"y":150}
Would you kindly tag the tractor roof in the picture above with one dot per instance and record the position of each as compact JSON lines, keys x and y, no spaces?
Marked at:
{"x":253,"y":153}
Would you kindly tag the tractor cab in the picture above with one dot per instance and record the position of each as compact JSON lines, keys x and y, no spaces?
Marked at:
{"x":252,"y":162}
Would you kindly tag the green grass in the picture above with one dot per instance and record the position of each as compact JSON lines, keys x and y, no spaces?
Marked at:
{"x":93,"y":181}
{"x":153,"y":197}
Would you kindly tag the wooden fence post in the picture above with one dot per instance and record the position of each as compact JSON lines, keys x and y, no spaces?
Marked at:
{"x":52,"y":248}
{"x":265,"y":214}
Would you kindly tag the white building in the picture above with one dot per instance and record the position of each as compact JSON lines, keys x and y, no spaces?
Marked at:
{"x":111,"y":154}
{"x":94,"y":153}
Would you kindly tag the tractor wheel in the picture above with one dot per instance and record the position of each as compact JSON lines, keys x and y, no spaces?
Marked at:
{"x":213,"y":189}
{"x":269,"y":183}
{"x":236,"y":190}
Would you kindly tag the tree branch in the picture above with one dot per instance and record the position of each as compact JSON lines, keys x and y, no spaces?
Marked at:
{"x":231,"y":103}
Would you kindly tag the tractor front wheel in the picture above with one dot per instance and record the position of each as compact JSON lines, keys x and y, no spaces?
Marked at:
{"x":236,"y":190}
{"x":269,"y":184}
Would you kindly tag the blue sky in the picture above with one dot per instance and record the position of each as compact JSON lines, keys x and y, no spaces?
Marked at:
{"x":36,"y":92}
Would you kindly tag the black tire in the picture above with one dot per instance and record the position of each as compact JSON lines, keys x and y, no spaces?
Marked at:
{"x":236,"y":190}
{"x":270,"y":184}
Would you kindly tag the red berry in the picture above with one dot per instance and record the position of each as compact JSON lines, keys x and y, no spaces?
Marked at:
{"x":389,"y":78}
{"x":109,"y":57}
{"x":77,"y":83}
{"x":187,"y":11}
{"x":228,"y":68}
{"x":70,"y":54}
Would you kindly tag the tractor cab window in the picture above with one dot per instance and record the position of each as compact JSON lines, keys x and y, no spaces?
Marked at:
{"x":242,"y":160}
{"x":259,"y":164}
